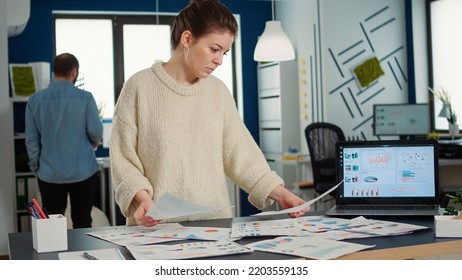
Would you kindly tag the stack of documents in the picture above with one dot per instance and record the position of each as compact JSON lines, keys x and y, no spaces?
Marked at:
{"x":315,"y":237}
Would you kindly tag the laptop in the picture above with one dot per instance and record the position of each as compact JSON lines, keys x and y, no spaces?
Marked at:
{"x":387,"y":178}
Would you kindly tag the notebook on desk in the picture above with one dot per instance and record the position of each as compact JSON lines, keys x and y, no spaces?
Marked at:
{"x":393,"y":177}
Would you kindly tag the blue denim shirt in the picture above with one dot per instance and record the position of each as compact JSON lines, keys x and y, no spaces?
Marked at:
{"x":62,"y":122}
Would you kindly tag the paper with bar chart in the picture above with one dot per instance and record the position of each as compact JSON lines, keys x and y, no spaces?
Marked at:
{"x":308,"y":247}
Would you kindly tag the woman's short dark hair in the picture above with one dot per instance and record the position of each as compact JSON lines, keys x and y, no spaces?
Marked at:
{"x":203,"y":17}
{"x":64,"y":63}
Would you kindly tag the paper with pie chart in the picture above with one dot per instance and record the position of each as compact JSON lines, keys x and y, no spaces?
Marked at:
{"x":190,"y":250}
{"x":200,"y":233}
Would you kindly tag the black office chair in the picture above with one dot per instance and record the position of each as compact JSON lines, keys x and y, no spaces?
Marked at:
{"x":321,"y":138}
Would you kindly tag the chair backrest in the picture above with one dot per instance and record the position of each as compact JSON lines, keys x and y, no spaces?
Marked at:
{"x":321,"y":138}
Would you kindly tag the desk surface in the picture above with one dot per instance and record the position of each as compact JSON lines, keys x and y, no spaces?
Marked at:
{"x":419,"y":244}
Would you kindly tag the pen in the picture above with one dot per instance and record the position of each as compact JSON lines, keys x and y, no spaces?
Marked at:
{"x":31,"y":210}
{"x":39,"y":209}
{"x":88,"y":256}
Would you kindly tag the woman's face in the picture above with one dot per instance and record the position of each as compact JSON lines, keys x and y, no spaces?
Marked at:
{"x":206,"y":53}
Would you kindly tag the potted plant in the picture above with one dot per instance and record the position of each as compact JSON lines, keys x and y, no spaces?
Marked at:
{"x":450,"y":223}
{"x":447,"y":111}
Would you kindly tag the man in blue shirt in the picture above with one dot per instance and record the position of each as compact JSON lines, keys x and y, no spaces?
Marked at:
{"x":62,"y":130}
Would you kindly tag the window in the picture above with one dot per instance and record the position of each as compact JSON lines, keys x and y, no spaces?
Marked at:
{"x":90,"y":40}
{"x":445,"y":56}
{"x":139,"y":56}
{"x":109,"y":51}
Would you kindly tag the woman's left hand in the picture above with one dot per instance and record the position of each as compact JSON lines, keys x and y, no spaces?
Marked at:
{"x":287,"y":199}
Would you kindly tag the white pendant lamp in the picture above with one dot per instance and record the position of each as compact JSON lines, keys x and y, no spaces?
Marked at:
{"x":273,"y":44}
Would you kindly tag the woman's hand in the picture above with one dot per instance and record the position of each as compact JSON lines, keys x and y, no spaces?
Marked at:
{"x":287,"y":199}
{"x":145,"y":201}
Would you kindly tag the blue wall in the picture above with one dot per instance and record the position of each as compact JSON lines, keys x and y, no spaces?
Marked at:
{"x":36,"y":42}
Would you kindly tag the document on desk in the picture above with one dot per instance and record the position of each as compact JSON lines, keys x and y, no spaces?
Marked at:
{"x":101,"y":254}
{"x":265,"y":228}
{"x":134,"y":235}
{"x":189,"y":250}
{"x":171,"y":206}
{"x":317,"y":224}
{"x":308,"y":247}
{"x":300,"y":207}
{"x":198,"y":233}
{"x":384,"y":228}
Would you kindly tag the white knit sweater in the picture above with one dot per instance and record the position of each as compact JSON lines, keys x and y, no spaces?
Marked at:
{"x":167,"y":137}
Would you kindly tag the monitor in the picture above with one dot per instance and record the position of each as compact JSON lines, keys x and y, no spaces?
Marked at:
{"x":401,"y":119}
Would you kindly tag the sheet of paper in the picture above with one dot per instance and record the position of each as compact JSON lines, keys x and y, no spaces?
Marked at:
{"x":384,"y":228}
{"x":134,"y":235}
{"x":101,"y":254}
{"x":267,"y":227}
{"x":341,"y":235}
{"x":200,"y":233}
{"x":189,"y":250}
{"x":171,"y":206}
{"x":300,"y":207}
{"x":324,"y":223}
{"x":308,"y":247}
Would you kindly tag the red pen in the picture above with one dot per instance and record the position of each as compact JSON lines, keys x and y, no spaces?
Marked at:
{"x":39,"y":209}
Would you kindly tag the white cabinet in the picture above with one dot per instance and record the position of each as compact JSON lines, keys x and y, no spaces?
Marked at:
{"x":278,"y":113}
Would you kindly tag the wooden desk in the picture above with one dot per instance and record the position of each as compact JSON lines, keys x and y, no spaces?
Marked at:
{"x":409,"y":252}
{"x":422,"y":243}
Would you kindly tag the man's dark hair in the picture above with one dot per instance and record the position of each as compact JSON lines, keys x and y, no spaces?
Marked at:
{"x":64,"y":63}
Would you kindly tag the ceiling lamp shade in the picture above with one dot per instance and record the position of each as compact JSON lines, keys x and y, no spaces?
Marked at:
{"x":273,"y":44}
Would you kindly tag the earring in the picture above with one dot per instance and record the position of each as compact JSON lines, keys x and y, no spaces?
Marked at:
{"x":186,"y":51}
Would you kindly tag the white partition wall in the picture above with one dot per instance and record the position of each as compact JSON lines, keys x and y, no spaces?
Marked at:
{"x":6,"y":147}
{"x":333,"y":37}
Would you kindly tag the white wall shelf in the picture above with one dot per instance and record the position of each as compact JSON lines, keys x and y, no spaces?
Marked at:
{"x":278,"y":114}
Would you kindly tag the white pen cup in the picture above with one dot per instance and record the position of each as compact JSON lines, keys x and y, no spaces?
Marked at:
{"x":49,"y":235}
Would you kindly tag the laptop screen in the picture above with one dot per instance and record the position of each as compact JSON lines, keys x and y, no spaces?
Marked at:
{"x":388,"y":172}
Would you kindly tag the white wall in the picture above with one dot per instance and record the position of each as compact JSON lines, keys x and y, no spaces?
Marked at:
{"x":333,"y":36}
{"x":6,"y":142}
{"x":420,"y":50}
{"x":349,"y":37}
{"x":321,"y":29}
{"x":298,"y":20}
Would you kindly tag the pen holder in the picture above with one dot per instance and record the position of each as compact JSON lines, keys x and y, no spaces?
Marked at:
{"x":49,"y":235}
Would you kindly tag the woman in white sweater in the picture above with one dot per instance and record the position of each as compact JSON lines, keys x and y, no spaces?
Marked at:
{"x":176,"y":128}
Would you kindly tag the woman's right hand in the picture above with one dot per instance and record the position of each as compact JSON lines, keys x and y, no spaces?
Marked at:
{"x":146,"y":203}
